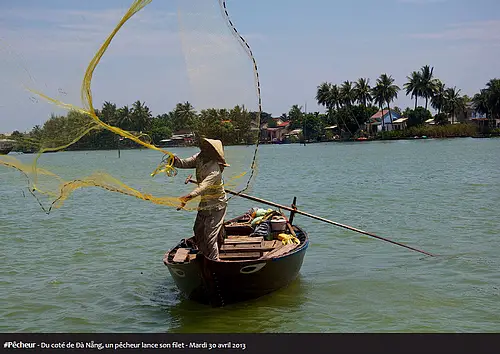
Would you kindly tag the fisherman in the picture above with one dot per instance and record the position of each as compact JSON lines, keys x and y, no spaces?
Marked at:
{"x":209,"y":164}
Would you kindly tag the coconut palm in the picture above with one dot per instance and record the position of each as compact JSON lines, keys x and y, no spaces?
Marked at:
{"x":108,"y":113}
{"x":141,"y":116}
{"x":414,"y":86}
{"x":480,"y":102}
{"x":488,"y":100}
{"x":388,"y":90}
{"x":379,"y":99}
{"x":453,"y":102}
{"x":428,"y":83}
{"x":493,"y":89}
{"x":328,"y":96}
{"x":335,"y":98}
{"x":348,"y":97}
{"x":466,"y":103}
{"x":362,"y":91}
{"x":323,"y":94}
{"x":347,"y":94}
{"x":296,"y":116}
{"x":124,"y":118}
{"x":185,"y":116}
{"x":437,"y":100}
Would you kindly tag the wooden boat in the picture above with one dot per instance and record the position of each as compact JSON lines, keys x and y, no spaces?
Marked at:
{"x":249,"y":266}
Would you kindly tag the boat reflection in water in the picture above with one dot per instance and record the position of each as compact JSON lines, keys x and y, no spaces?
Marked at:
{"x":263,"y":315}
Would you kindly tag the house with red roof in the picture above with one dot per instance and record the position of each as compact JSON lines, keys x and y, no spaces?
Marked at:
{"x":183,"y":137}
{"x":381,"y":121}
{"x":275,"y":131}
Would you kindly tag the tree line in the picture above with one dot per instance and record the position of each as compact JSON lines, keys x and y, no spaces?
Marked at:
{"x":421,"y":84}
{"x":349,"y":106}
{"x":232,"y":126}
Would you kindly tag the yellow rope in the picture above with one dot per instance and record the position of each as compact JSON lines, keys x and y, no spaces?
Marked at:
{"x":86,"y":94}
{"x":102,"y":180}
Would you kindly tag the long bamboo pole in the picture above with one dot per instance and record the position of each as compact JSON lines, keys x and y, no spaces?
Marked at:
{"x":295,"y":210}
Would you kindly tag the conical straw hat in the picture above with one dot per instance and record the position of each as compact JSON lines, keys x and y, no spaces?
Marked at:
{"x":217,"y":146}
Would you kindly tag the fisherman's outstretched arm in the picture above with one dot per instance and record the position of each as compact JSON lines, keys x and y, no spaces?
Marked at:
{"x":190,"y":162}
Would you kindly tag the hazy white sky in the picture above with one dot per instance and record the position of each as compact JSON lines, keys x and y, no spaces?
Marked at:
{"x":161,"y":59}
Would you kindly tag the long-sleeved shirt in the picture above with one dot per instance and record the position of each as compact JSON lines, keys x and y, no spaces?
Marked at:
{"x":209,"y":177}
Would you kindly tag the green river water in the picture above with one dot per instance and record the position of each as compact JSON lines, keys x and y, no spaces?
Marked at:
{"x":95,"y":265}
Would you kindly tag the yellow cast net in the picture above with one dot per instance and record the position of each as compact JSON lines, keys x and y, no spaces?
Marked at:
{"x":202,"y":66}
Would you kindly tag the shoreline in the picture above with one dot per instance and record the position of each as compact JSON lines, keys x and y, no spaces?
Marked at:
{"x":489,"y":136}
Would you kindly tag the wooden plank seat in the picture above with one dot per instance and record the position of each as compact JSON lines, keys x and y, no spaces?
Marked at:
{"x":237,"y":247}
{"x":242,"y":237}
{"x":231,"y":240}
{"x":273,"y":243}
{"x":281,"y":250}
{"x":245,"y":247}
{"x":181,"y":255}
{"x":240,"y":255}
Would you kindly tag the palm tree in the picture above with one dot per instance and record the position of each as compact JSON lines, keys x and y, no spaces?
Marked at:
{"x":378,"y":99}
{"x":296,"y":116}
{"x":108,"y":113}
{"x":329,"y":96}
{"x":362,"y":91}
{"x":388,"y":90}
{"x":347,"y":93}
{"x":335,"y":97}
{"x":185,"y":116}
{"x":428,"y":83}
{"x":488,"y":100}
{"x":480,"y":102}
{"x":141,"y":116}
{"x":493,"y":89}
{"x":414,"y":86}
{"x":348,"y":97}
{"x":323,"y":94}
{"x":437,"y":100}
{"x":125,"y":118}
{"x":453,"y":102}
{"x":466,"y":102}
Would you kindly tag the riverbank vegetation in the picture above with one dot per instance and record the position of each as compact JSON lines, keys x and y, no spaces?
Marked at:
{"x":450,"y":105}
{"x":348,"y":107}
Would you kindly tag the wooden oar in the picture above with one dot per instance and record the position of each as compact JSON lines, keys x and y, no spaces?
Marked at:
{"x":295,"y":210}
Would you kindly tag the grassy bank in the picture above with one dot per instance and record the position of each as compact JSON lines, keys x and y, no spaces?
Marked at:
{"x":444,"y":131}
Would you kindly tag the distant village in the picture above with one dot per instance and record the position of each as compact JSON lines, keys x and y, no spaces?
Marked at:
{"x":281,"y":130}
{"x":377,"y":123}
{"x":354,"y":111}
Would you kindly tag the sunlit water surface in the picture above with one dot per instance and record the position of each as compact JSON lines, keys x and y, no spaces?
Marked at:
{"x":95,"y":265}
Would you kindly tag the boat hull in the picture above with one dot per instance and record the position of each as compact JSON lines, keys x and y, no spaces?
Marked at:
{"x":251,"y":279}
{"x":221,"y":283}
{"x":188,"y":279}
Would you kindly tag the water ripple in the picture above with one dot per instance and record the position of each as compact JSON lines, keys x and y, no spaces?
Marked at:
{"x":96,"y":264}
